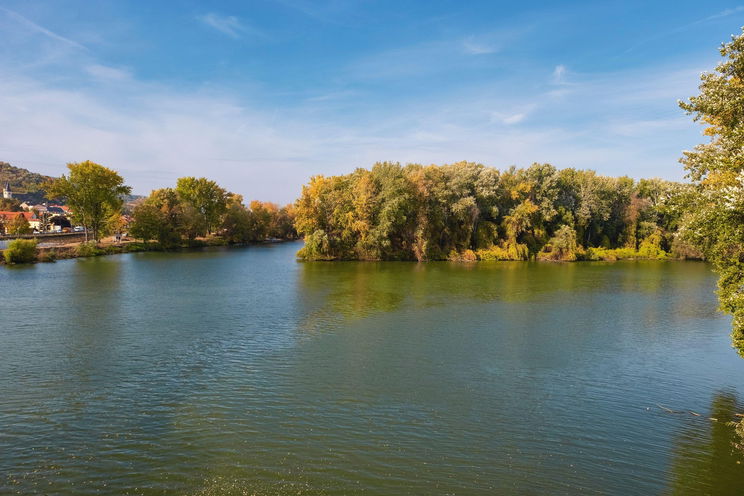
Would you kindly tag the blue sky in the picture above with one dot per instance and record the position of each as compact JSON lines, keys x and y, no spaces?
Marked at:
{"x":260,"y":95}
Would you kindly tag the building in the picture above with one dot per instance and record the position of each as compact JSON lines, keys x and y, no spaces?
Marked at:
{"x":7,"y":193}
{"x":33,"y":221}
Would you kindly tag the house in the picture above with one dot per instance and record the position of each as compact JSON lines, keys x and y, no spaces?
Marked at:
{"x":33,"y":221}
{"x":27,"y":206}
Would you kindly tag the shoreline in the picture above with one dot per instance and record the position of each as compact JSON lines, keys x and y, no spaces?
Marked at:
{"x":50,"y":254}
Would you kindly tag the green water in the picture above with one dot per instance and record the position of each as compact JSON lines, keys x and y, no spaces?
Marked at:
{"x":242,"y":371}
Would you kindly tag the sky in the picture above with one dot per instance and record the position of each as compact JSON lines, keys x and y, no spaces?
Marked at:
{"x":262,"y":95}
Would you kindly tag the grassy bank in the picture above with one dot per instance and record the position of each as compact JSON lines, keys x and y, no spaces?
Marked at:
{"x":27,"y":251}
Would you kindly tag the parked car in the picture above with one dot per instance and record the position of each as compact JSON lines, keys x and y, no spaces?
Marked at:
{"x":79,"y":229}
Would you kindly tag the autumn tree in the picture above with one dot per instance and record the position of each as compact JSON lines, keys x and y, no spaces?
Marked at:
{"x":94,"y":193}
{"x":465,"y":210}
{"x":18,"y":225}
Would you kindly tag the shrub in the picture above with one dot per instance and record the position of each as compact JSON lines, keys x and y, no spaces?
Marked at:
{"x":507,"y":251}
{"x":651,"y":247}
{"x":465,"y":256}
{"x":561,"y":247}
{"x":89,"y":249}
{"x":20,"y":251}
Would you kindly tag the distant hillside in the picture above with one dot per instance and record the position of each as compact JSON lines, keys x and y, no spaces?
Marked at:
{"x":29,"y":186}
{"x":26,"y":185}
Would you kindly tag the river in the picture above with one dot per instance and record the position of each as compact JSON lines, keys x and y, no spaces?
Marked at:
{"x":243,"y":371}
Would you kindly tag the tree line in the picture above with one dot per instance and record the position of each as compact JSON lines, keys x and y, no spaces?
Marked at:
{"x":467,"y":211}
{"x":194,"y":208}
{"x":199,"y":207}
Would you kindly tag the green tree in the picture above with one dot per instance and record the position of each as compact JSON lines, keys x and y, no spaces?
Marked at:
{"x":94,"y":193}
{"x":715,"y":222}
{"x":148,"y":222}
{"x":206,"y":196}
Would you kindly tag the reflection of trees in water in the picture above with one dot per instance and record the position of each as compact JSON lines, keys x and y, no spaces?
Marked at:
{"x":707,"y":457}
{"x":358,"y":289}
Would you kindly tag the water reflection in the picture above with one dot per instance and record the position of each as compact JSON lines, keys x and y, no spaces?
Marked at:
{"x":356,"y":290}
{"x":708,"y":458}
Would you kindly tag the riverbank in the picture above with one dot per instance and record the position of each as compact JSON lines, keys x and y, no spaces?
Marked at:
{"x":49,"y":254}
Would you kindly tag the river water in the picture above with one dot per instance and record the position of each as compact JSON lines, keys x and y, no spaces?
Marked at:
{"x":243,"y":371}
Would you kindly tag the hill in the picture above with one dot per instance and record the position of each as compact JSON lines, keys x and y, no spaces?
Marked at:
{"x":29,"y":186}
{"x":26,"y":185}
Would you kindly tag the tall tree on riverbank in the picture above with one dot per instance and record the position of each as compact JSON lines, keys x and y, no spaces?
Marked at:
{"x":206,"y":196}
{"x":93,"y":192}
{"x":715,"y":221}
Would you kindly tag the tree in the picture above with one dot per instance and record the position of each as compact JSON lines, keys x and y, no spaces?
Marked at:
{"x":206,"y":196}
{"x":18,"y":225}
{"x":715,"y":222}
{"x":149,"y":222}
{"x":94,"y":193}
{"x":10,"y":205}
{"x":237,"y":225}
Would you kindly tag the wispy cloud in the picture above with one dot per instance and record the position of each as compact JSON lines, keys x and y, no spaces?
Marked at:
{"x":725,"y":13}
{"x":107,"y":73}
{"x":475,"y":47}
{"x":228,"y":25}
{"x":679,"y":29}
{"x":559,"y":74}
{"x":29,"y":24}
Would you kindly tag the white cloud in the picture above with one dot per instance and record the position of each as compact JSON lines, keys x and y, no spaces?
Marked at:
{"x":474,"y":47}
{"x":559,"y":74}
{"x":514,"y":119}
{"x":107,"y":73}
{"x":228,"y":25}
{"x":154,"y":134}
{"x":618,"y":123}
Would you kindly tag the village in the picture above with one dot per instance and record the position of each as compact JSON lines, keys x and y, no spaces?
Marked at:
{"x":35,"y":218}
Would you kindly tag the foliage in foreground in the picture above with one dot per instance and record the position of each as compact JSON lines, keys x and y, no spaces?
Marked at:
{"x":20,"y":251}
{"x":467,"y":211}
{"x":716,"y":222}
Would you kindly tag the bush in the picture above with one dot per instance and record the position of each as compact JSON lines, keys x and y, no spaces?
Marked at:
{"x":465,"y":256}
{"x":651,"y":247}
{"x":20,"y":251}
{"x":508,"y":250}
{"x":610,"y":255}
{"x":561,"y":248}
{"x":89,"y":249}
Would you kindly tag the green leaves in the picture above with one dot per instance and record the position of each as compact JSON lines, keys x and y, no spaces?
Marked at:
{"x":94,"y":193}
{"x":206,"y":197}
{"x":414,"y":212}
{"x":715,"y":218}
